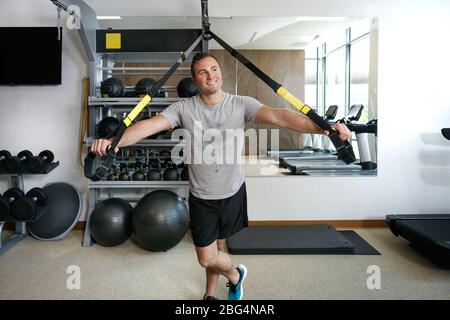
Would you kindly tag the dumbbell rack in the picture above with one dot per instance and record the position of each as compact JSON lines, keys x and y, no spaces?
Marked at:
{"x":131,"y":191}
{"x":20,"y":231}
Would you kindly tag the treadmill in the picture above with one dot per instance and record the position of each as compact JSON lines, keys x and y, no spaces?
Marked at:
{"x":330,"y":164}
{"x":310,"y":149}
{"x":428,"y":233}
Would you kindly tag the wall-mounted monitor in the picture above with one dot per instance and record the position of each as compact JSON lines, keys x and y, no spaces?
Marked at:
{"x":30,"y":56}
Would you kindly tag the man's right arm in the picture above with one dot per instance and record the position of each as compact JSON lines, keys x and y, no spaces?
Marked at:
{"x":133,"y":134}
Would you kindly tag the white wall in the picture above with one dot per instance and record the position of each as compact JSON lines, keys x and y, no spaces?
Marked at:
{"x":44,"y":117}
{"x":413,"y":104}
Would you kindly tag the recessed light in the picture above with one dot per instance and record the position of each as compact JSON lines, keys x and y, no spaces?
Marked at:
{"x":320,"y":19}
{"x":109,"y":17}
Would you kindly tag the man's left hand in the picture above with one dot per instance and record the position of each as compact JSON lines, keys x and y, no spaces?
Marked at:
{"x":344,"y":133}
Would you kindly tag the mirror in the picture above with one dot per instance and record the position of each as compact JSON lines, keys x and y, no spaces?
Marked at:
{"x":323,"y":61}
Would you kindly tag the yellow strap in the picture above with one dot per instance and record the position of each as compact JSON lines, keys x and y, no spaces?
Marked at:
{"x":304,"y":108}
{"x":136,"y":110}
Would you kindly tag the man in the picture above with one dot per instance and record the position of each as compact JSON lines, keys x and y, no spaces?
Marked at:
{"x":217,"y":200}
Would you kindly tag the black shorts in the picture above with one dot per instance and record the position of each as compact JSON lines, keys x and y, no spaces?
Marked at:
{"x":217,"y":219}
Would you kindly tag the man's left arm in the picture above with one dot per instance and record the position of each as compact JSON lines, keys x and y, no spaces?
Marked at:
{"x":285,"y":118}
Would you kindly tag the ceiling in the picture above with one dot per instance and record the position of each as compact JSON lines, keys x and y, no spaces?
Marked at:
{"x":276,"y":33}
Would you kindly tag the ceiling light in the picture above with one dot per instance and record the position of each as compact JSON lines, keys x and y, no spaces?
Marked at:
{"x":297,"y":44}
{"x":320,"y":19}
{"x":109,"y":17}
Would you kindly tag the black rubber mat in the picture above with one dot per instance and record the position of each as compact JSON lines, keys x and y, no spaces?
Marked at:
{"x":313,"y":239}
{"x":362,"y":247}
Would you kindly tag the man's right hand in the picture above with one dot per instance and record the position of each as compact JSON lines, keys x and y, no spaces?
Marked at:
{"x":100,"y":147}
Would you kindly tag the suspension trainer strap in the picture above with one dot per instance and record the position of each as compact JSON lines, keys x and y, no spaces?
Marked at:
{"x":343,"y":148}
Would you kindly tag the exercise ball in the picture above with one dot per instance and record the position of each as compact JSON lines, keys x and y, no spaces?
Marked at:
{"x":187,"y":88}
{"x":111,"y":88}
{"x":160,"y":220}
{"x":110,"y":223}
{"x":107,"y":127}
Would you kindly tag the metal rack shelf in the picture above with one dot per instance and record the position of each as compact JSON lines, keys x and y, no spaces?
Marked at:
{"x":136,"y":184}
{"x":47,"y":168}
{"x":148,"y":143}
{"x":94,"y":101}
{"x":142,"y":57}
{"x":102,"y":190}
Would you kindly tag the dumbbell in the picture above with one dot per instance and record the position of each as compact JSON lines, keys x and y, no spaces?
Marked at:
{"x":8,"y":198}
{"x":154,"y":173}
{"x":138,"y":174}
{"x":112,"y":176}
{"x":4,"y":155}
{"x":15,"y":164}
{"x":26,"y":207}
{"x":165,"y":154}
{"x":124,"y":175}
{"x":37,"y":164}
{"x":171,"y":173}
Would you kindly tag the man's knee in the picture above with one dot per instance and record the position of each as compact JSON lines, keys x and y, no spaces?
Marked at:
{"x":207,"y":261}
{"x":207,"y":255}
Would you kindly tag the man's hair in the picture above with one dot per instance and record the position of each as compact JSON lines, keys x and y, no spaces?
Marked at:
{"x":200,"y":56}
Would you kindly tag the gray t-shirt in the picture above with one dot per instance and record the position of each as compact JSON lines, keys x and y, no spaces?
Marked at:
{"x":215,"y":138}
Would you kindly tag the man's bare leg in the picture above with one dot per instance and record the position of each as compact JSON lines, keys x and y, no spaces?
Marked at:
{"x":212,"y":277}
{"x":217,"y":262}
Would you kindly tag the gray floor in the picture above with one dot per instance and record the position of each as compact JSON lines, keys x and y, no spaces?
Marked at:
{"x":38,"y":270}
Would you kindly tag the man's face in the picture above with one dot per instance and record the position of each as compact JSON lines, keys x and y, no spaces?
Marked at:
{"x":208,"y":76}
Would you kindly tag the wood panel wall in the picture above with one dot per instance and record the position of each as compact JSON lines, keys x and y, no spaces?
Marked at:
{"x":284,"y":66}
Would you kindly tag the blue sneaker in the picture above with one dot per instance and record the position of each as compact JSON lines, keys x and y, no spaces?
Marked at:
{"x":236,"y":291}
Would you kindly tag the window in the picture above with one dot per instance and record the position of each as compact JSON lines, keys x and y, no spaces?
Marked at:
{"x":359,"y":76}
{"x":335,"y":81}
{"x":311,"y":82}
{"x":360,"y":28}
{"x":342,"y":71}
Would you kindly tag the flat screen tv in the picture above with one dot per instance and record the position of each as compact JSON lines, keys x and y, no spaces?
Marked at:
{"x":30,"y":56}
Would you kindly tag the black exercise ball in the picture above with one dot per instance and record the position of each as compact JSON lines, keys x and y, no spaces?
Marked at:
{"x":112,"y":88}
{"x":107,"y":127}
{"x":160,"y":220}
{"x":187,"y":88}
{"x":110,"y":223}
